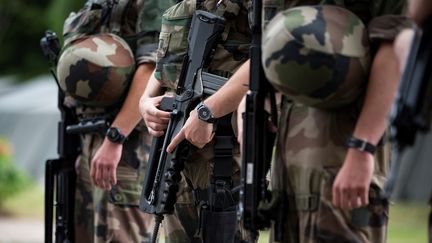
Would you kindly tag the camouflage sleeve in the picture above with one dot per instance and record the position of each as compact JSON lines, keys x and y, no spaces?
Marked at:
{"x":148,"y":27}
{"x":173,"y":42}
{"x":388,"y":21}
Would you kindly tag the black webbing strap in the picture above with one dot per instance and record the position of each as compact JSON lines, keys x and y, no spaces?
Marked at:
{"x":219,"y":196}
{"x":223,"y":149}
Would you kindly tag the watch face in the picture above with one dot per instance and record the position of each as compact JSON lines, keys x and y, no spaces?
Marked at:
{"x":204,"y":113}
{"x":113,"y":134}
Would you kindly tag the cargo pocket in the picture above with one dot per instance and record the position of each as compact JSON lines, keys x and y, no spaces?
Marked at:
{"x":376,"y":213}
{"x":128,"y":189}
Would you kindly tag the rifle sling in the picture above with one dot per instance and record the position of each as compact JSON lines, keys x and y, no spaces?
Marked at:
{"x":218,"y":195}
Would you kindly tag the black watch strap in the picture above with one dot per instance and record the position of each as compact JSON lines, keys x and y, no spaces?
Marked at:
{"x":361,"y":145}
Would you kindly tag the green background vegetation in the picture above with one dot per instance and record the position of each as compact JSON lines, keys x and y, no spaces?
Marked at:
{"x":11,"y":179}
{"x":22,"y":24}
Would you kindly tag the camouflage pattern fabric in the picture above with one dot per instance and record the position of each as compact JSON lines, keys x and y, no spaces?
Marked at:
{"x":113,"y":216}
{"x":229,"y":55}
{"x":317,"y":55}
{"x":96,"y":70}
{"x":310,"y":151}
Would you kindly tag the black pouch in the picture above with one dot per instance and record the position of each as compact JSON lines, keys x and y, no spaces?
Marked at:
{"x":218,"y":227}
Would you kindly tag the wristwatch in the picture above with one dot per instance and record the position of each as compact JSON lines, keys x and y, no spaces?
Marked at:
{"x":114,"y":135}
{"x":204,"y":113}
{"x":361,"y":145}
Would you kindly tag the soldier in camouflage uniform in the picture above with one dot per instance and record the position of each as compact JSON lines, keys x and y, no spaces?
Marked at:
{"x":318,"y":57}
{"x":229,"y":55}
{"x":108,"y":55}
{"x":333,"y":189}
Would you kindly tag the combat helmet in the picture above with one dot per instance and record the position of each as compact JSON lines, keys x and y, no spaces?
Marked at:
{"x":96,"y":70}
{"x":317,"y":55}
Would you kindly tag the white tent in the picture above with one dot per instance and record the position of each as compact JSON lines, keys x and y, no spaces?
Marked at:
{"x":28,"y":119}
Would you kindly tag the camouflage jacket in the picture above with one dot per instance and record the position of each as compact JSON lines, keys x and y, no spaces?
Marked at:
{"x":230,"y":53}
{"x":136,"y":21}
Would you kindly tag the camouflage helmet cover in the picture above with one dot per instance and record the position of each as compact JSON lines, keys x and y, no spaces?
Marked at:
{"x":96,"y":70}
{"x":317,"y":55}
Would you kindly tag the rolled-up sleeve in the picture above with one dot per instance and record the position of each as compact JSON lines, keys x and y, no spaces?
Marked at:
{"x":389,"y":19}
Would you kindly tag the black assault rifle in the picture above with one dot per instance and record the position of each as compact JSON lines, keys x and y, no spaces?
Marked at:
{"x":258,"y":206}
{"x":60,"y":173}
{"x":60,"y":176}
{"x":163,"y":173}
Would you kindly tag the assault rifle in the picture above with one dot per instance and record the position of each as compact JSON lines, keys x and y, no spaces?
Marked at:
{"x":60,"y":173}
{"x":163,"y":173}
{"x":60,"y":176}
{"x":258,"y":206}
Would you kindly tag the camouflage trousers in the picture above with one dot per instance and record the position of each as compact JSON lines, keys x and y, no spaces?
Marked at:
{"x":183,"y":225}
{"x":309,"y":152}
{"x":112,"y":216}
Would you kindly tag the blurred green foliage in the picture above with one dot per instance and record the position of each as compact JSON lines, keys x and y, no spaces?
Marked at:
{"x":11,"y":179}
{"x":22,"y":24}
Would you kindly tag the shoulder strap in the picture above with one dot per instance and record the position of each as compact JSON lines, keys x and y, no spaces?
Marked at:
{"x":117,"y":14}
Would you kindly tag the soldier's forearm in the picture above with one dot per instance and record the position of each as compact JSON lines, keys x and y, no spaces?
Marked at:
{"x":228,"y":97}
{"x":381,"y":90}
{"x":153,"y":88}
{"x":129,"y":115}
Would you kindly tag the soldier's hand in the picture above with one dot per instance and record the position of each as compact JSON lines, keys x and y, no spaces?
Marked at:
{"x":156,"y":120}
{"x":104,"y":164}
{"x":351,"y":186}
{"x":197,"y":132}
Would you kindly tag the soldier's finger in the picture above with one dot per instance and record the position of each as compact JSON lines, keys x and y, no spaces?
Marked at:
{"x":158,"y":120}
{"x":160,"y":114}
{"x":345,"y":198}
{"x":113,"y":176}
{"x":106,"y":177}
{"x":364,"y":196}
{"x":355,"y":201}
{"x":157,"y":126}
{"x":336,"y":196}
{"x":98,"y":175}
{"x":176,"y":140}
{"x":155,"y":133}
